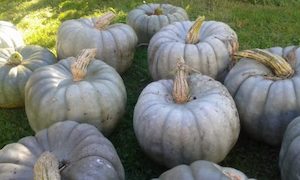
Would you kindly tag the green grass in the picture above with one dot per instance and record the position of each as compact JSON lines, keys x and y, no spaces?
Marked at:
{"x":258,"y":23}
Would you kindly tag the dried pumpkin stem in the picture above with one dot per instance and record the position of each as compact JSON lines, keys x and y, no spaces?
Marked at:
{"x":15,"y":59}
{"x":280,"y":67}
{"x":79,"y":67}
{"x":159,"y":11}
{"x":180,"y":87}
{"x":104,"y":20}
{"x":193,"y":35}
{"x":46,"y":167}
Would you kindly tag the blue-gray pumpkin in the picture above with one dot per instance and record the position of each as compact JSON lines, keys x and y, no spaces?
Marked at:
{"x":16,"y":66}
{"x":188,"y":119}
{"x":10,"y":36}
{"x":66,"y":150}
{"x":265,"y":85}
{"x":82,"y":89}
{"x":202,"y":170}
{"x":148,"y":19}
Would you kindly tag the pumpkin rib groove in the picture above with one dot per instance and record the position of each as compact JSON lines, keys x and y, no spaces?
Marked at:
{"x":288,"y":146}
{"x":293,"y":161}
{"x":197,"y":124}
{"x":115,"y":44}
{"x":156,"y":58}
{"x":209,"y":67}
{"x":5,"y":76}
{"x":163,"y":133}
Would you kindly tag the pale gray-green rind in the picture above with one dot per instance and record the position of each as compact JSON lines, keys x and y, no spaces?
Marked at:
{"x":14,"y":78}
{"x":266,"y":106}
{"x":99,"y":99}
{"x":206,"y":127}
{"x":115,"y":44}
{"x":146,"y":25}
{"x":289,"y":158}
{"x":210,"y":56}
{"x":10,"y":37}
{"x":87,"y":154}
{"x":201,"y":170}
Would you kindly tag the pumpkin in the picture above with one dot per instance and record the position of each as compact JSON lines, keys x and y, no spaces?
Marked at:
{"x":115,"y":43}
{"x":66,"y":149}
{"x":16,"y":66}
{"x":187,"y":119}
{"x":206,"y":46}
{"x":201,"y":170}
{"x":10,"y":37}
{"x":289,"y":157}
{"x":148,"y":19}
{"x":81,"y":89}
{"x":265,"y":87}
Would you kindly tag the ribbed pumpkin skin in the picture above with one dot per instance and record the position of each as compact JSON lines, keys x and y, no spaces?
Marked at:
{"x":210,"y":56}
{"x":289,"y":158}
{"x":115,"y":44}
{"x":99,"y":99}
{"x":202,"y":170}
{"x":206,"y":127}
{"x":265,"y":106}
{"x":87,"y":154}
{"x":14,"y":78}
{"x":10,"y":37}
{"x":146,"y":24}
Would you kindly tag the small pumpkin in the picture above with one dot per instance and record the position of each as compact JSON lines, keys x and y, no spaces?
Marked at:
{"x":16,"y":66}
{"x":289,"y":158}
{"x":181,"y":121}
{"x":115,"y":43}
{"x":10,"y":36}
{"x":201,"y":170}
{"x":66,"y":150}
{"x":81,"y":89}
{"x":206,"y":46}
{"x":147,"y":19}
{"x":265,"y":86}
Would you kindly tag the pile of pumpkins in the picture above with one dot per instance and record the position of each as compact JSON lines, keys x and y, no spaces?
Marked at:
{"x":203,"y":88}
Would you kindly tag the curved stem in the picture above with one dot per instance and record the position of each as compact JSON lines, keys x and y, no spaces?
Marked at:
{"x":79,"y":67}
{"x":280,"y":67}
{"x":180,"y":86}
{"x":46,"y":167}
{"x":15,"y":59}
{"x":193,"y":35}
{"x":104,"y":20}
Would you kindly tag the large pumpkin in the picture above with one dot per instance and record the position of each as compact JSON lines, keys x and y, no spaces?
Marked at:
{"x":267,"y":93}
{"x":10,"y":37}
{"x":16,"y":66}
{"x":148,"y":19}
{"x":185,"y":120}
{"x":115,"y":43}
{"x":206,"y":46}
{"x":202,"y":170}
{"x":90,"y":92}
{"x":67,"y":149}
{"x":289,"y":158}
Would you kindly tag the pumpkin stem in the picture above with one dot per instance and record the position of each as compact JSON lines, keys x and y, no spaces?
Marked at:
{"x":193,"y":35}
{"x":280,"y":67}
{"x":180,"y":86}
{"x":79,"y":67}
{"x":15,"y":59}
{"x":158,"y":11}
{"x":46,"y":167}
{"x":104,"y":20}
